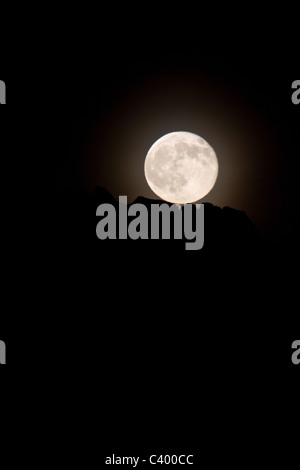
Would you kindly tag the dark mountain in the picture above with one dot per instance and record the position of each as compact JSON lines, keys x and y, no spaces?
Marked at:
{"x":233,"y":276}
{"x":235,"y":259}
{"x":160,"y":330}
{"x":228,"y":232}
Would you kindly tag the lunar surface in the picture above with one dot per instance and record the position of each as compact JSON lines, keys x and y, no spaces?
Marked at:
{"x":181,"y":167}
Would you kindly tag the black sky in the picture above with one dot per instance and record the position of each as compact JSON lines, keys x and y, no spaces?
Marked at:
{"x":116,"y":103}
{"x":88,"y":91}
{"x":104,"y":88}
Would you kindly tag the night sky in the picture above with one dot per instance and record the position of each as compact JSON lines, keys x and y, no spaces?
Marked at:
{"x":138,"y":337}
{"x":116,"y":103}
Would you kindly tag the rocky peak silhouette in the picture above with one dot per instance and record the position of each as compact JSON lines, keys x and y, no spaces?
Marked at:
{"x":228,"y":233}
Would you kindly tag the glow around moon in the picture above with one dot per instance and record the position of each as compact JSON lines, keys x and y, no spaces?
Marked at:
{"x":181,"y":167}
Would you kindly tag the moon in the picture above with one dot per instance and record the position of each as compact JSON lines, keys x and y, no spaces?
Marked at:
{"x":181,"y":167}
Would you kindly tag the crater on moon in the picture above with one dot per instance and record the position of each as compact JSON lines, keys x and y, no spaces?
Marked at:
{"x":181,"y":167}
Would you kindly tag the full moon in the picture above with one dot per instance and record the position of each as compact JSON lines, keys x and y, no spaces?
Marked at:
{"x":181,"y":167}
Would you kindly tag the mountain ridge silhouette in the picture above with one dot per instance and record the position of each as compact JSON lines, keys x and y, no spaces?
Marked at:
{"x":153,"y":308}
{"x":228,"y":231}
